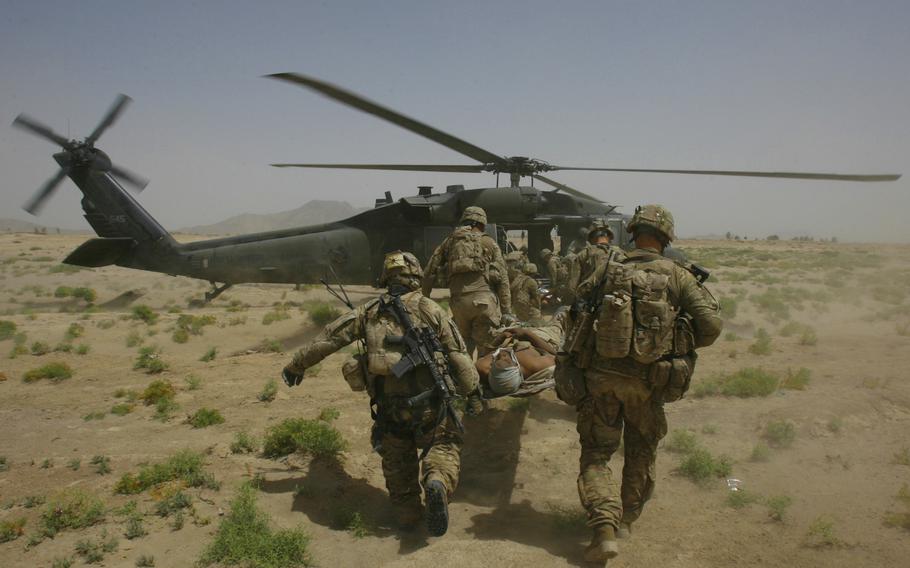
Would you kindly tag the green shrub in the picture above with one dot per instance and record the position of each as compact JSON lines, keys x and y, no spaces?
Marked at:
{"x":351,"y":521}
{"x":193,"y":382}
{"x":746,"y":382}
{"x":180,"y":335}
{"x":731,"y":336}
{"x":145,"y":561}
{"x":94,"y":416}
{"x":741,"y":498}
{"x":106,"y":324}
{"x":63,"y":347}
{"x":186,"y":466}
{"x":275,"y":315}
{"x":7,"y":329}
{"x":268,"y":392}
{"x":209,"y":355}
{"x":164,"y":409}
{"x":760,"y":453}
{"x":71,"y":509}
{"x":312,"y":437}
{"x":271,"y":346}
{"x":821,"y":534}
{"x":777,"y":507}
{"x":193,"y":325}
{"x":780,"y":433}
{"x":121,"y":409}
{"x":102,"y":464}
{"x":808,"y":338}
{"x":835,"y":425}
{"x":144,"y":313}
{"x":244,"y":443}
{"x":4,"y":465}
{"x":74,"y":330}
{"x":728,"y":307}
{"x":11,"y":529}
{"x":322,"y":314}
{"x":245,"y":538}
{"x":157,"y":390}
{"x":699,"y":465}
{"x":205,"y":417}
{"x":40,"y":348}
{"x":762,"y":345}
{"x":798,"y":380}
{"x":55,"y":372}
{"x":134,"y":528}
{"x":83,"y":349}
{"x":329,"y":414}
{"x":681,"y":441}
{"x":149,"y":359}
{"x":32,"y":501}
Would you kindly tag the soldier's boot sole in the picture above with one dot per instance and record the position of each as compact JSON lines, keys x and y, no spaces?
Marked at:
{"x":603,"y":546}
{"x":437,"y":508}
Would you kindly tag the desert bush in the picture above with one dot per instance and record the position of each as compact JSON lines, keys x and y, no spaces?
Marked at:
{"x":275,"y":315}
{"x":699,"y":465}
{"x":149,"y":359}
{"x":144,"y":313}
{"x":772,"y":305}
{"x":193,"y":382}
{"x":63,"y":347}
{"x":74,"y":331}
{"x":728,"y":307}
{"x":245,"y":538}
{"x":11,"y":529}
{"x":745,"y":383}
{"x":798,"y":380}
{"x":777,"y":506}
{"x":121,"y":409}
{"x":271,"y":346}
{"x":83,"y":349}
{"x":762,"y":345}
{"x":897,"y":520}
{"x":780,"y":433}
{"x":205,"y":417}
{"x":244,"y":443}
{"x":133,"y":338}
{"x":40,"y":348}
{"x":835,"y":425}
{"x":164,"y":409}
{"x":760,"y":453}
{"x":134,"y":528}
{"x":4,"y":465}
{"x":54,"y":372}
{"x":808,"y":338}
{"x":209,"y":355}
{"x":102,"y":464}
{"x":73,"y":508}
{"x":180,"y":335}
{"x":7,"y":329}
{"x":352,"y":521}
{"x":681,"y":441}
{"x":741,"y":498}
{"x":186,"y":466}
{"x":312,"y":437}
{"x":322,"y":313}
{"x":821,"y":534}
{"x":731,"y":336}
{"x":145,"y":561}
{"x":328,"y":414}
{"x":106,"y":324}
{"x":268,"y":392}
{"x":157,"y":390}
{"x":94,"y":416}
{"x":193,"y":325}
{"x":74,"y":464}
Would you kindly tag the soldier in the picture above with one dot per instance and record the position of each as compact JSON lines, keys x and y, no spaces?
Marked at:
{"x":400,"y":429}
{"x":658,"y":313}
{"x":477,"y":278}
{"x":599,"y":237}
{"x":526,"y":294}
{"x":579,"y":243}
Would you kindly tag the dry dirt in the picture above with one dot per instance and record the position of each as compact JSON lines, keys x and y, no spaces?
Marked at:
{"x":517,"y":504}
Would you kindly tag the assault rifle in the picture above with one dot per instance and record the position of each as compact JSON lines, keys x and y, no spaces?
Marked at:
{"x":423,"y":346}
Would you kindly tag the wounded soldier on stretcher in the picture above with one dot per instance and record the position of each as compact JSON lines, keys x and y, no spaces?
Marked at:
{"x":523,"y":359}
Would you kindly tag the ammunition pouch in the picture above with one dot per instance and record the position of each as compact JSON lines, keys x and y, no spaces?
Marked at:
{"x":570,"y":379}
{"x":355,"y":374}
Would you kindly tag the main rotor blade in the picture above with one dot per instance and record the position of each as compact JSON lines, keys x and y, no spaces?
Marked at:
{"x":397,"y":167}
{"x":787,"y":175}
{"x":129,"y":177}
{"x":565,"y":188}
{"x":27,"y":123}
{"x":35,"y":204}
{"x":392,"y":116}
{"x":109,"y":118}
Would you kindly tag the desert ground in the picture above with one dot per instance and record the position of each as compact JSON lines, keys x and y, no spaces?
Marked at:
{"x":817,"y":433}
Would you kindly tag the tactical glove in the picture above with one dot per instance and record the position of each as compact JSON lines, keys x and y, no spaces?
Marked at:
{"x":291,"y":378}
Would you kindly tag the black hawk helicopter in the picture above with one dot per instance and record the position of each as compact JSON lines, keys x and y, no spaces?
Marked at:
{"x":350,"y":250}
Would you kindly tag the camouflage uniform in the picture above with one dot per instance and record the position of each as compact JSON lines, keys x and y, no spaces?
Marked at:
{"x":622,"y":405}
{"x":399,"y":431}
{"x":526,"y":296}
{"x":479,"y":297}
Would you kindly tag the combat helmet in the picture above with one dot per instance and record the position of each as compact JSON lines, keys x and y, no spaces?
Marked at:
{"x":656,"y":217}
{"x":530,"y":269}
{"x":474,"y":214}
{"x":401,"y":268}
{"x":597,"y":228}
{"x":545,"y":253}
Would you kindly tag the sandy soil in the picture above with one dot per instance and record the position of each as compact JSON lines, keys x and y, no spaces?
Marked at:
{"x":517,"y":504}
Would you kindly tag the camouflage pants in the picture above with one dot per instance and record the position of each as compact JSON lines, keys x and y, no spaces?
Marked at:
{"x":400,"y":449}
{"x":618,"y":408}
{"x":476,"y":314}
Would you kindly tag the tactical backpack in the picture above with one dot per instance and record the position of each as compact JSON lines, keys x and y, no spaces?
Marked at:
{"x":465,"y":252}
{"x":636,"y":318}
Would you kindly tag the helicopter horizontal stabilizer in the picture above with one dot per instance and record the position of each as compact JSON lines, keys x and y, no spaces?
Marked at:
{"x":95,"y":253}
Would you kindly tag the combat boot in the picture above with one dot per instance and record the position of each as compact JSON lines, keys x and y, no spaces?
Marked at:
{"x":437,"y":508}
{"x":624,"y":531}
{"x":603,"y":545}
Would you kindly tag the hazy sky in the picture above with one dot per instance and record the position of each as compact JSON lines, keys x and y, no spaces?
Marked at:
{"x":789,"y":85}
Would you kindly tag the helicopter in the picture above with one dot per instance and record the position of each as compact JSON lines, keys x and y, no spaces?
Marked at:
{"x":349,"y":251}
